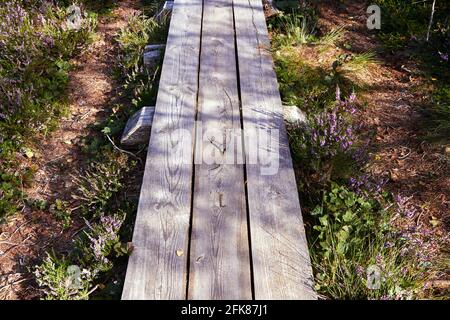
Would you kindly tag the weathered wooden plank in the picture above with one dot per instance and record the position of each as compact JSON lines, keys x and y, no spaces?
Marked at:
{"x":281,"y":264}
{"x":219,"y":262}
{"x":157,"y":268}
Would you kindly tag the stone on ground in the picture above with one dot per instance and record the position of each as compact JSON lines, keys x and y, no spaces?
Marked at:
{"x":294,"y":116}
{"x":137,"y":130}
{"x":152,"y":55}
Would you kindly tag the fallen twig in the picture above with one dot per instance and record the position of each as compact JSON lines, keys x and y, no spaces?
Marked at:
{"x":14,"y":283}
{"x":124,"y":151}
{"x":431,"y":20}
{"x":17,"y":229}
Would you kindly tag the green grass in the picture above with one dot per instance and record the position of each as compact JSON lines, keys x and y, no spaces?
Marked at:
{"x":333,"y":37}
{"x":138,"y":80}
{"x":354,"y":234}
{"x":350,"y":226}
{"x":298,"y":28}
{"x":359,"y":62}
{"x":437,"y":114}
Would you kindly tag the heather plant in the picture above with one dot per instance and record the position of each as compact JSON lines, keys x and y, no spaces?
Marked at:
{"x":353,"y":234}
{"x":332,"y":130}
{"x":10,"y":194}
{"x":100,"y":183}
{"x":72,"y":277}
{"x":35,"y":48}
{"x":327,"y":142}
{"x":132,"y":39}
{"x":351,"y":215}
{"x":61,"y":211}
{"x":101,"y":194}
{"x":58,"y":283}
{"x":364,"y":184}
{"x":34,"y":62}
{"x":100,"y":242}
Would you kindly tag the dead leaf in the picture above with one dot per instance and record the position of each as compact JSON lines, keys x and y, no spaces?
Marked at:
{"x":447,"y":150}
{"x":394,"y":175}
{"x":434,"y":222}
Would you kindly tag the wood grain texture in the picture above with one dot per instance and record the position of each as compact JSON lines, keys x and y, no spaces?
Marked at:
{"x":219,"y":261}
{"x":157,"y":267}
{"x":281,"y":263}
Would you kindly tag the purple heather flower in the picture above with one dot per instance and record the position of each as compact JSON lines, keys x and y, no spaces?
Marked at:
{"x":338,"y":94}
{"x":444,"y":56}
{"x":410,"y":212}
{"x":360,"y":271}
{"x":405,"y":208}
{"x":48,"y":41}
{"x":379,"y":259}
{"x":352,"y":97}
{"x":102,"y":235}
{"x":388,"y":244}
{"x":322,"y":142}
{"x":404,"y":270}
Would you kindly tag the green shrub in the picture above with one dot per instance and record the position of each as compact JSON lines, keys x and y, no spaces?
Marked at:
{"x":140,"y":82}
{"x":438,"y":114}
{"x":101,"y":242}
{"x":353,"y":234}
{"x":101,"y":181}
{"x":302,"y":84}
{"x":10,"y":194}
{"x":404,"y":27}
{"x":60,"y":280}
{"x":132,"y":39}
{"x":405,"y":19}
{"x":35,"y":50}
{"x":101,"y":193}
{"x":61,"y":211}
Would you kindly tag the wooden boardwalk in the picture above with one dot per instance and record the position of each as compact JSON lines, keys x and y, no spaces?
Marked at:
{"x":219,"y":215}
